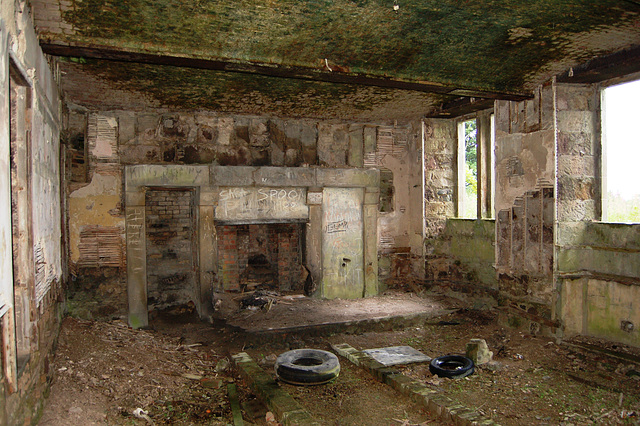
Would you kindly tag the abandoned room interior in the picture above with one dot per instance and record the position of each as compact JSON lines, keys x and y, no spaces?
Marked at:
{"x":423,"y":172}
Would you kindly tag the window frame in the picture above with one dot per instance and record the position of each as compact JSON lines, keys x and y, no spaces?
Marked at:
{"x":485,"y":151}
{"x":603,"y":145}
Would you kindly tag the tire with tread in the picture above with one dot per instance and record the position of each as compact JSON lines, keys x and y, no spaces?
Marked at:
{"x":307,"y":367}
{"x":451,"y":366}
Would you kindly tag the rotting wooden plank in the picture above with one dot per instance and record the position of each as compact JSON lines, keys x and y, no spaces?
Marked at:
{"x":101,"y":246}
{"x":9,"y":349}
{"x":235,"y":404}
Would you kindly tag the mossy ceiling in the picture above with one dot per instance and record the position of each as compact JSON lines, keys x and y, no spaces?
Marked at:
{"x":479,"y":48}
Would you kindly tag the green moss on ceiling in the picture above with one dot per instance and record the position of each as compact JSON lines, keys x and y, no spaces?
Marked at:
{"x":488,"y":45}
{"x":196,"y":89}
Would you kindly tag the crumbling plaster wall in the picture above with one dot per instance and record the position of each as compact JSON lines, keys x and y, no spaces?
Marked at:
{"x":399,"y":149}
{"x":22,"y":391}
{"x":113,"y":139}
{"x":525,"y":186}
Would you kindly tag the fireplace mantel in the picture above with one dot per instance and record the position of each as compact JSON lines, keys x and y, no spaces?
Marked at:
{"x":339,"y":207}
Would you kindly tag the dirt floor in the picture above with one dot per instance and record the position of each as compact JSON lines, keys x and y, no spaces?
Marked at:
{"x":178,"y":372}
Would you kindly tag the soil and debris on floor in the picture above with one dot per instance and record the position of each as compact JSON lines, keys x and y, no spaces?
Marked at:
{"x":178,"y":373}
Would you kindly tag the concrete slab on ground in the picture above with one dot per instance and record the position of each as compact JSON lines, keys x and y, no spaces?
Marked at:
{"x":397,"y":355}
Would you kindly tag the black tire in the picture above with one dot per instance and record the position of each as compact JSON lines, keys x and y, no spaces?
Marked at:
{"x":307,"y":367}
{"x":451,"y":366}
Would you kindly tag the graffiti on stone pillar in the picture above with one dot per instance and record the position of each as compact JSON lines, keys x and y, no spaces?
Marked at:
{"x":343,"y":247}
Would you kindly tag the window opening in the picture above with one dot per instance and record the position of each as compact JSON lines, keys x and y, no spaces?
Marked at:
{"x":492,"y":168}
{"x":620,"y":153}
{"x":468,"y":170}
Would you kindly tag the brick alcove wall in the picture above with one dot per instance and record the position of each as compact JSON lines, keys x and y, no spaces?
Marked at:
{"x":171,"y":246}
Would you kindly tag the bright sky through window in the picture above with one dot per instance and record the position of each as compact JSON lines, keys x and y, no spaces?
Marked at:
{"x":622,"y":152}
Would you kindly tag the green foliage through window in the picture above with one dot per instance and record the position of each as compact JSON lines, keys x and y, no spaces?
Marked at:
{"x":470,"y":169}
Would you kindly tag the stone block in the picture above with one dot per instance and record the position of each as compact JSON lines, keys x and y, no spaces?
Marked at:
{"x":308,"y":133}
{"x":577,"y":165}
{"x":572,"y":97}
{"x":126,"y":127}
{"x":576,"y":121}
{"x":371,"y":198}
{"x":478,"y":351}
{"x":134,"y":198}
{"x":333,"y":145}
{"x":576,"y":188}
{"x":146,"y":125}
{"x":348,"y":178}
{"x":232,"y":176}
{"x":314,"y":198}
{"x":615,"y":235}
{"x":576,"y":210}
{"x":356,"y":141}
{"x":571,"y":233}
{"x":369,"y":139}
{"x":156,"y":175}
{"x":574,"y":142}
{"x":285,"y":176}
{"x":209,"y":197}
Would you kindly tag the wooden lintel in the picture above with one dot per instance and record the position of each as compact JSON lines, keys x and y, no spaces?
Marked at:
{"x":461,"y":106}
{"x":272,"y":70}
{"x":604,"y":68}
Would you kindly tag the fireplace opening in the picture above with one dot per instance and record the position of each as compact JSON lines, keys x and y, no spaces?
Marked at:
{"x":259,"y":273}
{"x":265,"y":256}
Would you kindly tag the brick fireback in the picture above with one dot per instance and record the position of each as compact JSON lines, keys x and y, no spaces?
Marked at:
{"x":279,"y":245}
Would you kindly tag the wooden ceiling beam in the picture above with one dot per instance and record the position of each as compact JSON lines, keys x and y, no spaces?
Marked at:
{"x":272,"y":70}
{"x":604,"y":68}
{"x":461,"y":106}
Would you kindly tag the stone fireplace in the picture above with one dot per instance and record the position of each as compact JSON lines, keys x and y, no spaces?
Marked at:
{"x":246,"y":227}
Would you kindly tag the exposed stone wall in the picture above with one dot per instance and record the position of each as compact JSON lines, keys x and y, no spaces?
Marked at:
{"x":463,"y":255}
{"x":598,"y":263}
{"x":440,"y":175}
{"x":458,"y":252}
{"x":579,"y":153}
{"x":102,"y":143}
{"x":599,"y":275}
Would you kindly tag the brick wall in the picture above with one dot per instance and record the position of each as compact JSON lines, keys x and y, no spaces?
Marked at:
{"x":279,"y":243}
{"x":170,"y":246}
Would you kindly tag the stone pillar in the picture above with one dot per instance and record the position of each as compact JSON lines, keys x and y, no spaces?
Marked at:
{"x":314,"y":235}
{"x":370,"y":212}
{"x":356,"y":146}
{"x":136,"y":260}
{"x":208,"y":255}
